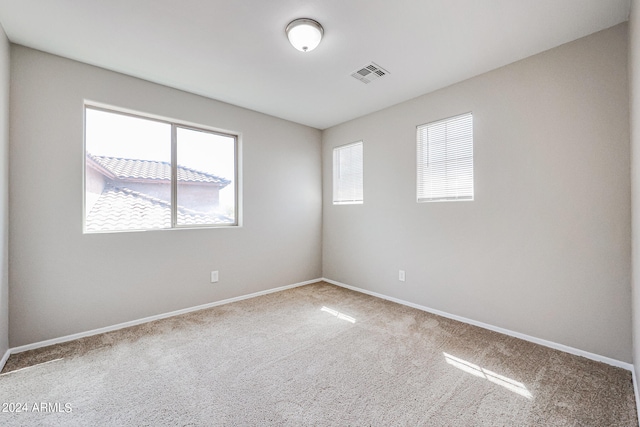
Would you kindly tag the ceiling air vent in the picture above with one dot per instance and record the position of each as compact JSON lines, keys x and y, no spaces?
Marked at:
{"x":369,"y":72}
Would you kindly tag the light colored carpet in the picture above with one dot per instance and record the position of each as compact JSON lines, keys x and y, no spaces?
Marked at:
{"x":314,"y":355}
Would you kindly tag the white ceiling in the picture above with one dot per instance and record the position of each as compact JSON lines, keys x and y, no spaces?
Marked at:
{"x":237,"y":51}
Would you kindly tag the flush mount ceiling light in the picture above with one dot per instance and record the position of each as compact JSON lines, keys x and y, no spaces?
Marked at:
{"x":304,"y":34}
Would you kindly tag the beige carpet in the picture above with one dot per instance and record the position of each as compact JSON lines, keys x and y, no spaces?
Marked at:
{"x":316,"y":355}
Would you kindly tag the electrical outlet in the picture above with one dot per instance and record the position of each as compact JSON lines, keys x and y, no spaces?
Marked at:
{"x":214,"y":276}
{"x":401,"y":275}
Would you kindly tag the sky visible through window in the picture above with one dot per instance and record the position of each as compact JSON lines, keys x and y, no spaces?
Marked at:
{"x":117,"y":135}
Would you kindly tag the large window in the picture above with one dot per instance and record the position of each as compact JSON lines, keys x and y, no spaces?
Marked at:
{"x":347,"y":174}
{"x":143,"y":174}
{"x":445,"y":159}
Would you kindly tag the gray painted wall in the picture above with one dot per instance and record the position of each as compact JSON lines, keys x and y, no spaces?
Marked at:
{"x":634,"y":117}
{"x":4,"y":192}
{"x":545,"y":248}
{"x":64,"y":282}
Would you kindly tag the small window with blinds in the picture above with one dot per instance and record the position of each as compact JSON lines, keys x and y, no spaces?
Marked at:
{"x":347,"y":174}
{"x":445,"y":160}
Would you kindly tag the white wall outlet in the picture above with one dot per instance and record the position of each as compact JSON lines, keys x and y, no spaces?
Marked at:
{"x":401,"y":275}
{"x":214,"y":276}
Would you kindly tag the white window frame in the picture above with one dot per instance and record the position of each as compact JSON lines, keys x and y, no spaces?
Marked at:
{"x":455,"y":161}
{"x":336,"y":175}
{"x":175,"y":124}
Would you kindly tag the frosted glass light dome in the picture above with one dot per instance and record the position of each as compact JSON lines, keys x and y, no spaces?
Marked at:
{"x":304,"y":34}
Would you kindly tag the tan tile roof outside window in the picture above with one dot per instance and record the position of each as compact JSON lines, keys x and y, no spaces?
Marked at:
{"x":121,"y":208}
{"x":125,"y":209}
{"x":135,"y":169}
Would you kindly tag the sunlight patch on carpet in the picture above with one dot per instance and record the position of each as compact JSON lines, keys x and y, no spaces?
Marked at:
{"x":501,"y":380}
{"x":338,"y":314}
{"x":33,"y":366}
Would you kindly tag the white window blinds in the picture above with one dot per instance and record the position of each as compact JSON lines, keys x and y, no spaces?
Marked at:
{"x":347,"y":173}
{"x":445,"y":159}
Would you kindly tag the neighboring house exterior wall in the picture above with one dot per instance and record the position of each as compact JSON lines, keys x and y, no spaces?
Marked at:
{"x":198,"y":197}
{"x":159,"y":190}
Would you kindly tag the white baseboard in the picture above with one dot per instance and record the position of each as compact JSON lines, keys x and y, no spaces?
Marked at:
{"x":4,"y":359}
{"x":550,"y":344}
{"x":72,"y":337}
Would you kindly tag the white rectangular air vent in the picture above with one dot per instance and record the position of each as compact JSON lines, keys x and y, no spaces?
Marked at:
{"x":369,"y":72}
